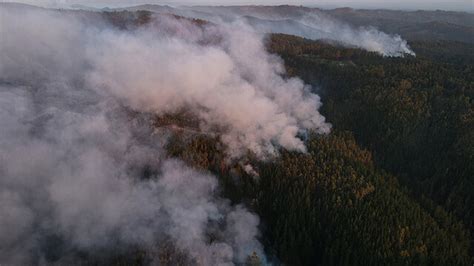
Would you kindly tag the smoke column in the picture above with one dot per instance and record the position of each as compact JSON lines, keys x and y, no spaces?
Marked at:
{"x":76,"y":101}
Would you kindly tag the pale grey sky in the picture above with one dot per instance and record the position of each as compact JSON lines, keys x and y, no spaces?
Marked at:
{"x":463,"y":5}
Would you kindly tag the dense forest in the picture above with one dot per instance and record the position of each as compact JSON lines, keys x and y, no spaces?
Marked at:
{"x":392,"y":183}
{"x":333,"y":206}
{"x":414,"y":114}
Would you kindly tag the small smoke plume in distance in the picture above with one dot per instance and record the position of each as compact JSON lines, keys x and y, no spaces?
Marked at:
{"x":300,"y":21}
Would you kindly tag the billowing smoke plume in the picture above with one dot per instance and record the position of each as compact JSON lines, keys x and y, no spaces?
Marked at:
{"x":305,"y":22}
{"x":232,"y":84}
{"x":81,"y":165}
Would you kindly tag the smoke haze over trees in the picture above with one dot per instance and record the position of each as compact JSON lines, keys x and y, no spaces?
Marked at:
{"x":74,"y":152}
{"x":198,"y":136}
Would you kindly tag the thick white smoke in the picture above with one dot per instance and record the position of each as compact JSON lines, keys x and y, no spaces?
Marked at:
{"x":73,"y":157}
{"x":233,"y":84}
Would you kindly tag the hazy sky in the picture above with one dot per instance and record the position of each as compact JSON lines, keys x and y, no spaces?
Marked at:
{"x":464,"y":5}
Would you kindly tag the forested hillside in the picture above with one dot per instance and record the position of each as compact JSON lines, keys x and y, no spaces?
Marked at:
{"x":333,"y":206}
{"x":393,"y":182}
{"x":415,"y":114}
{"x":145,"y":151}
